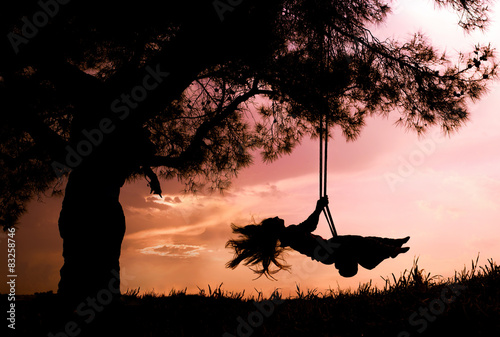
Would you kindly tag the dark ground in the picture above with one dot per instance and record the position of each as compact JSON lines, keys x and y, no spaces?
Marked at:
{"x":413,"y":305}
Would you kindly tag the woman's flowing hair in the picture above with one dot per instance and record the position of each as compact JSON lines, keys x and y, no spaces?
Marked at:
{"x":258,"y":245}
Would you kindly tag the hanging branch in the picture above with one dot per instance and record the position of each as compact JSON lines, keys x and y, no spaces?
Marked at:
{"x":153,"y":181}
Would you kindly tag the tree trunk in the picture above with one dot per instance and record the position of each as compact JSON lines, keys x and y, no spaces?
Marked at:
{"x":92,"y":226}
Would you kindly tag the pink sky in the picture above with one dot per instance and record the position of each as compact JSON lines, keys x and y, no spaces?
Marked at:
{"x":442,"y":191}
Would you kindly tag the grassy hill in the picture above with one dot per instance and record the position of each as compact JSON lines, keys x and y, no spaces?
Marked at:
{"x":415,"y":304}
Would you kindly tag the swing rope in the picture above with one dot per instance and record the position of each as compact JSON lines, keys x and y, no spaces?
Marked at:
{"x":323,"y":168}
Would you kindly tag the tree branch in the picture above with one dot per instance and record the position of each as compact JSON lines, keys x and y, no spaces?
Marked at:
{"x":167,"y":161}
{"x":208,"y":125}
{"x":72,"y":82}
{"x":193,"y":149}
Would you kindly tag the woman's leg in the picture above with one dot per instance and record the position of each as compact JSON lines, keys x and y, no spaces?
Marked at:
{"x":381,"y":249}
{"x":369,"y":252}
{"x":389,"y":241}
{"x":371,"y":261}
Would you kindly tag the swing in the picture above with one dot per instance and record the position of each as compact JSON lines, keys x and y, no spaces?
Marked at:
{"x":262,"y":244}
{"x":323,"y":161}
{"x":323,"y":151}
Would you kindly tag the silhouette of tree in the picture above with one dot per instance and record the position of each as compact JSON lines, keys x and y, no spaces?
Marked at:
{"x":100,"y":93}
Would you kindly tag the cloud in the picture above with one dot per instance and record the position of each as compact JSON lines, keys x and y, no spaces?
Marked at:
{"x":166,"y":200}
{"x":174,"y":250}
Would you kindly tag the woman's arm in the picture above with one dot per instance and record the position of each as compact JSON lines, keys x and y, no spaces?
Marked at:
{"x":311,"y":222}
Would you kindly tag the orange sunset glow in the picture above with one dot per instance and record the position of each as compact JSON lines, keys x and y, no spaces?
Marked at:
{"x":442,"y":191}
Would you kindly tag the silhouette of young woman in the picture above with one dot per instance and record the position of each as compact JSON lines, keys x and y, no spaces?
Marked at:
{"x":264,"y":243}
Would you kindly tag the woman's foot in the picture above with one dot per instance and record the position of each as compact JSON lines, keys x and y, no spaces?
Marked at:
{"x":399,"y":250}
{"x":402,"y":241}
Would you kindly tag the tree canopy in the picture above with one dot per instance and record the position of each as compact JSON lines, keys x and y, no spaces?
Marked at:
{"x":188,"y":90}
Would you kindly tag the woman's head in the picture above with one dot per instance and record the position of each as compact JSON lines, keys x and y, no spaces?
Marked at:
{"x":258,"y":245}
